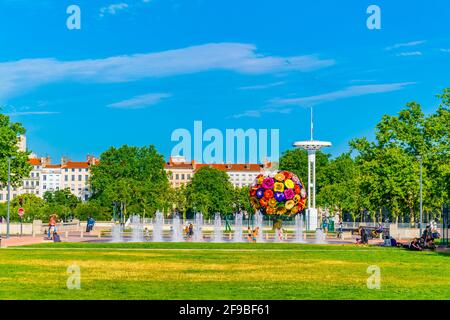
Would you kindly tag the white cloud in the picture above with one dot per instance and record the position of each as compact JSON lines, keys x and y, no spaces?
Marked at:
{"x":407,"y":44}
{"x":409,"y":54}
{"x":31,"y":113}
{"x":17,"y":76}
{"x":258,"y":113}
{"x":141,"y":101}
{"x":113,"y":8}
{"x":352,"y":91}
{"x":262,"y":86}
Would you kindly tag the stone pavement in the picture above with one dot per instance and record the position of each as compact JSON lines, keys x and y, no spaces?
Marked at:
{"x":15,"y":241}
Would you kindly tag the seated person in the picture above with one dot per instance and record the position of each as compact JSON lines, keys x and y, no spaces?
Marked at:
{"x":393,"y":242}
{"x":56,"y":237}
{"x":364,"y":236}
{"x":415,"y":245}
{"x":379,"y":229}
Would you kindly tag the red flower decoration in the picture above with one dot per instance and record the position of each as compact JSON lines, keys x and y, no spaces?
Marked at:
{"x":268,"y":194}
{"x":264,"y":202}
{"x":287,"y":175}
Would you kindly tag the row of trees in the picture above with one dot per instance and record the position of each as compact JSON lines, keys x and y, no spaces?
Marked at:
{"x":62,"y":203}
{"x":135,"y":181}
{"x":381,"y":177}
{"x":375,"y":178}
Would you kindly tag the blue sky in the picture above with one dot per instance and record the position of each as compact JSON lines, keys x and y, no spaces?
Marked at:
{"x":137,"y":70}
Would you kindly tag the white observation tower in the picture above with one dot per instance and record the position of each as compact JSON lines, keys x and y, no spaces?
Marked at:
{"x":312,"y":146}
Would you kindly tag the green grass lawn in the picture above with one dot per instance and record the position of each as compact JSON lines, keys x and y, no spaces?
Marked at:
{"x":221,"y":271}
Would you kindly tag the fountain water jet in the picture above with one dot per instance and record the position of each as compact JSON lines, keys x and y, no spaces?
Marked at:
{"x":158,"y":227}
{"x":198,"y":227}
{"x":177,"y":235}
{"x":116,"y":233}
{"x":320,"y":237}
{"x":218,"y":228}
{"x":137,"y":234}
{"x":237,"y":237}
{"x":259,"y":224}
{"x":299,"y":229}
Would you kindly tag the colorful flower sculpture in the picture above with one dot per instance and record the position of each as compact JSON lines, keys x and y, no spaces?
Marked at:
{"x":280,"y":194}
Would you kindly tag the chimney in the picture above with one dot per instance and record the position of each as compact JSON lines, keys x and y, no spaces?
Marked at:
{"x":91,"y":160}
{"x":64,"y":160}
{"x":46,"y":160}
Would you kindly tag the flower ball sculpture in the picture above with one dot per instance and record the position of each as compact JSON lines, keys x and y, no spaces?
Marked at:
{"x":280,"y":194}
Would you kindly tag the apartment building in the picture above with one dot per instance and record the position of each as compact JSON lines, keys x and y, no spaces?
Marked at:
{"x":180,"y":171}
{"x":240,"y":174}
{"x":46,"y":176}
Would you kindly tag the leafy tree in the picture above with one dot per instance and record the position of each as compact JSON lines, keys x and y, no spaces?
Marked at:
{"x":35,"y":208}
{"x":132,"y":176}
{"x":61,"y":202}
{"x":342,"y":190}
{"x":91,"y":209}
{"x":296,"y":161}
{"x":390,"y":167}
{"x":9,"y":132}
{"x":178,"y":199}
{"x":241,"y":199}
{"x":62,"y":197}
{"x":210,"y":191}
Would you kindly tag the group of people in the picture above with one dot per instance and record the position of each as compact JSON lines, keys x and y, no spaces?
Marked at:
{"x":52,"y":234}
{"x":426,"y":241}
{"x":252,"y":234}
{"x":189,"y":230}
{"x":366,"y":233}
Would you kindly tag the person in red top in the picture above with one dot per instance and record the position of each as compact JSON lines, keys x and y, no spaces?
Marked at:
{"x":51,"y":226}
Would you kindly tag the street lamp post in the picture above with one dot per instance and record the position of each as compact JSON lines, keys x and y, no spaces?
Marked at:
{"x":421,"y":199}
{"x":312,"y":146}
{"x":8,"y":212}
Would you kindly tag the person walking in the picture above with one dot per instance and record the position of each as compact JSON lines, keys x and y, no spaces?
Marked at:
{"x":325,"y":226}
